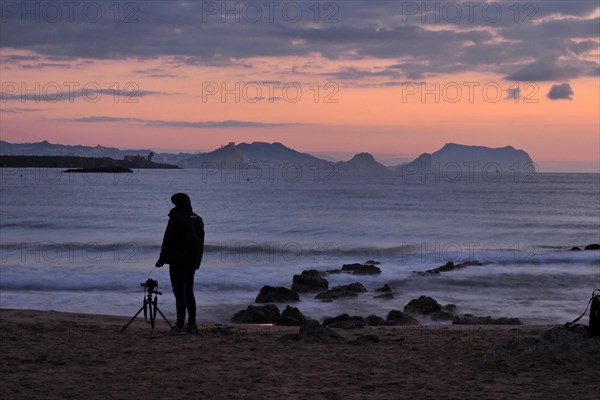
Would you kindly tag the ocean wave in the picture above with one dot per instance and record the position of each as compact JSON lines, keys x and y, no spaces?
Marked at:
{"x":29,"y":224}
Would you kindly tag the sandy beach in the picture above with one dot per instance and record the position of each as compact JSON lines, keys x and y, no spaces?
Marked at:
{"x":54,"y":355}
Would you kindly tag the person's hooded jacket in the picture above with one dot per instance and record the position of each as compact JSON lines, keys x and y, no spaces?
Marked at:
{"x":183,"y":242}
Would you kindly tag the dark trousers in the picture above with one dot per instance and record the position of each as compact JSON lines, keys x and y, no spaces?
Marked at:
{"x":182,"y":282}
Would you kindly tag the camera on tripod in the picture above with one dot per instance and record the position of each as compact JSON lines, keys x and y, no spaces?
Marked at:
{"x":149,"y":305}
{"x":150,"y":285}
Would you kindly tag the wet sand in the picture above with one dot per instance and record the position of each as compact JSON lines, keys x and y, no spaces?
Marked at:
{"x":53,"y":355}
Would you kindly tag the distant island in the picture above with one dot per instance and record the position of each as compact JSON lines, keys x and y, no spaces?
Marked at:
{"x":474,"y":158}
{"x":105,"y":170}
{"x":231,"y":155}
{"x":86,"y":164}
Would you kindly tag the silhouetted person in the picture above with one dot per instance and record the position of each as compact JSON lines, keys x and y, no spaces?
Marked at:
{"x":182,"y":249}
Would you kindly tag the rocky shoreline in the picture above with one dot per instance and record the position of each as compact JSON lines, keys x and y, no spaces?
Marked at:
{"x":266,"y":309}
{"x":314,"y":283}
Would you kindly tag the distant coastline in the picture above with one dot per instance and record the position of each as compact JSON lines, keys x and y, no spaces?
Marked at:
{"x":451,"y":157}
{"x":80,"y":162}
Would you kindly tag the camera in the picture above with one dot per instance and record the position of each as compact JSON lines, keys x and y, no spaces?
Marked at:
{"x":149,"y":284}
{"x":150,"y":304}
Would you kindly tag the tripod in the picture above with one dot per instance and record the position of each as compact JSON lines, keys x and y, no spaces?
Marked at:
{"x":150,"y":305}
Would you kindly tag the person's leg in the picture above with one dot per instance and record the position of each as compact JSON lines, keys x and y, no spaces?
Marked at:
{"x":190,"y":299}
{"x":178,"y":278}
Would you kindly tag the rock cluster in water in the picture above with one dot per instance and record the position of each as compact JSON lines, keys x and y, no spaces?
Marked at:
{"x":593,"y":246}
{"x":449,"y":266}
{"x":315,"y":281}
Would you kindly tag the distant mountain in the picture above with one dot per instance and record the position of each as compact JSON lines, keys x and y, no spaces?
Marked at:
{"x":363,"y":162}
{"x":476,"y":158}
{"x":231,"y":155}
{"x":50,"y":149}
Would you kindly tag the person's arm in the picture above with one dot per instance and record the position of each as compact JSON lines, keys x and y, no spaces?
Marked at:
{"x":201,"y":237}
{"x":167,"y":245}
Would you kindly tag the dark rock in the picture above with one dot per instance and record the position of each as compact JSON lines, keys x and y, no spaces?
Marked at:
{"x":366,"y":339}
{"x":361,"y":269}
{"x":312,"y":331}
{"x":384,"y":296}
{"x":350,"y":290}
{"x":270,"y":294}
{"x":470,"y":319}
{"x":442,"y":316}
{"x":449,"y":266}
{"x":384,"y":288}
{"x":341,"y":318}
{"x":575,"y":248}
{"x":422,"y":305}
{"x":593,"y":246}
{"x":372,"y":262}
{"x":401,"y":318}
{"x":374,"y":320}
{"x":309,"y":281}
{"x":268,"y":314}
{"x":449,"y":307}
{"x":471,"y":263}
{"x":334,"y":271}
{"x":292,"y":316}
{"x":348,"y":325}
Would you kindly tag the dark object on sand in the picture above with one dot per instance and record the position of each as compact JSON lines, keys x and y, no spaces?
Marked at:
{"x":593,"y":246}
{"x":575,"y":248}
{"x":593,"y":327}
{"x":150,"y":305}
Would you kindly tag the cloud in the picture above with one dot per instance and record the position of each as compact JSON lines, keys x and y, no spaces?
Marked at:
{"x":156,"y":73}
{"x":550,"y":70}
{"x":561,"y":91}
{"x":19,"y":110}
{"x":185,"y":124}
{"x":364,"y":30}
{"x":59,"y":93}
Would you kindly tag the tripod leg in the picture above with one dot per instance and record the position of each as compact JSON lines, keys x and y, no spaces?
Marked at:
{"x":152,"y":312}
{"x":132,"y":318}
{"x":165,"y":318}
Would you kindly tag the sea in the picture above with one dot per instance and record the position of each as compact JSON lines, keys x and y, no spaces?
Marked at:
{"x":83,"y":242}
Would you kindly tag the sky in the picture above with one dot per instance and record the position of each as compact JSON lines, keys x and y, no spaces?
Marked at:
{"x":333,"y":78}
